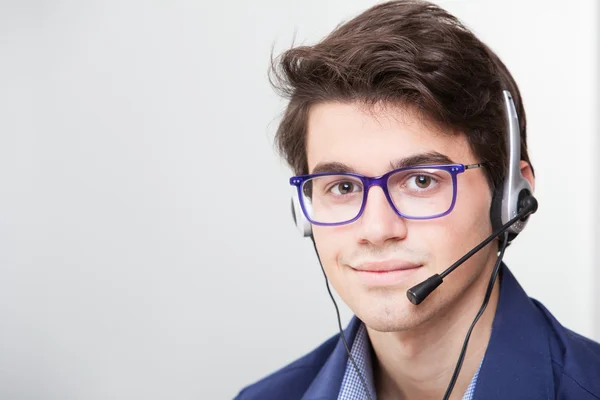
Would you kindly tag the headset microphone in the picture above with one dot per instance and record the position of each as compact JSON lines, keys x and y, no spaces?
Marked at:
{"x":418,"y":293}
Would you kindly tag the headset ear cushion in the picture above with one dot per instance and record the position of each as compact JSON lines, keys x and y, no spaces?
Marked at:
{"x":293,"y":211}
{"x":496,"y":208}
{"x":496,"y":213}
{"x":303,"y":225}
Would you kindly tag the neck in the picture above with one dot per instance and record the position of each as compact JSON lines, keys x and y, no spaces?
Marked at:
{"x":418,"y":364}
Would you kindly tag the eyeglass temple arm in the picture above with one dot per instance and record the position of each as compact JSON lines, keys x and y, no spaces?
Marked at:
{"x":472,"y":166}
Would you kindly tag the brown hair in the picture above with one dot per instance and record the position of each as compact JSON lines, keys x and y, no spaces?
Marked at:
{"x":403,"y":52}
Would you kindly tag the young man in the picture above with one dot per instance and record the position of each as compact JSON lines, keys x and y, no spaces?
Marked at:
{"x":405,"y":92}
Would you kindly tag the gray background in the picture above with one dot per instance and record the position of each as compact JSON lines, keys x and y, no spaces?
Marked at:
{"x":146,"y":245}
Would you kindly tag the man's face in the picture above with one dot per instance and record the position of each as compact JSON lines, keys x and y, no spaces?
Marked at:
{"x":368,"y":142}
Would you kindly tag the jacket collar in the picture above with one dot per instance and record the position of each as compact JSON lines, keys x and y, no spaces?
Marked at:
{"x":326,"y":384}
{"x":517,"y":362}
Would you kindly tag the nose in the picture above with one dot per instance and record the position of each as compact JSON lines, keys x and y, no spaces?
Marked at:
{"x":379,"y":223}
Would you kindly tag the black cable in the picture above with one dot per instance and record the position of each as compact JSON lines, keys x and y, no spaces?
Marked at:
{"x":486,"y":299}
{"x":337,"y":311}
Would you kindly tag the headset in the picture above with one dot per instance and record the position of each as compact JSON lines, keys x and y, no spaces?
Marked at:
{"x":507,"y":199}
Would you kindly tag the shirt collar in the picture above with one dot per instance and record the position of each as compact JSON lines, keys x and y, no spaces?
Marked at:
{"x":352,"y":387}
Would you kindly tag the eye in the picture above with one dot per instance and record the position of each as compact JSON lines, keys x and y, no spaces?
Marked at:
{"x":421,"y":182}
{"x":346,"y":187}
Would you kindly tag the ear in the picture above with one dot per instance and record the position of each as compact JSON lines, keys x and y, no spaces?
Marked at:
{"x":527,"y":173}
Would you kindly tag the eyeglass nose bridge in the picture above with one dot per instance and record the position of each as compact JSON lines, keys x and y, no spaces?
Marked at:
{"x":382,"y":182}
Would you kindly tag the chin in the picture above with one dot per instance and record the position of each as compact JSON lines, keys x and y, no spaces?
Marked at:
{"x":389,"y":311}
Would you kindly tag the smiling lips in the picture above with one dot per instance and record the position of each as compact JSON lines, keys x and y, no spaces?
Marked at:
{"x":385,"y":273}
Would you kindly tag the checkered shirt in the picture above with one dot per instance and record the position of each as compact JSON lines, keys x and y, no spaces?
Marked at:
{"x":352,"y":388}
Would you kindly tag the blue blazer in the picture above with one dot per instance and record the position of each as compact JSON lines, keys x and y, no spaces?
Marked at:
{"x":530,"y":356}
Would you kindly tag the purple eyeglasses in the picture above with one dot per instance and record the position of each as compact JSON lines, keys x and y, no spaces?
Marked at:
{"x":415,"y":192}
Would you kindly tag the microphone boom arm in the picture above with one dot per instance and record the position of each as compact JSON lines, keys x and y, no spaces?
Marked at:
{"x":419,"y":292}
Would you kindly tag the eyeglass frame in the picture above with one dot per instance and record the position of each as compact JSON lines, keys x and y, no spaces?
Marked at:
{"x":382,"y":182}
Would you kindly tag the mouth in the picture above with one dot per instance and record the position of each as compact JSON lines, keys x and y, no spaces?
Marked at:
{"x":386,"y":273}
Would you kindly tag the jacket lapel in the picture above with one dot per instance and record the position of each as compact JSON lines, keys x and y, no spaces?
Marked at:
{"x":326,"y":384}
{"x":517,"y":363}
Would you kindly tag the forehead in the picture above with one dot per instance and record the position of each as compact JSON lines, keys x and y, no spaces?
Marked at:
{"x":369,"y":139}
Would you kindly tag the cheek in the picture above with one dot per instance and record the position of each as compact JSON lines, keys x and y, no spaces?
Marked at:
{"x":472,"y":208}
{"x":328,"y":244}
{"x":450,"y":237}
{"x":331,"y":243}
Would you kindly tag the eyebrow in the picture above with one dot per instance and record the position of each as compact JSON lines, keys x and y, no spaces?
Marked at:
{"x":429,"y":158}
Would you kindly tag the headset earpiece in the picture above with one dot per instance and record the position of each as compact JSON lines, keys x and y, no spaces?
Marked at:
{"x":506,"y":199}
{"x":302,"y":223}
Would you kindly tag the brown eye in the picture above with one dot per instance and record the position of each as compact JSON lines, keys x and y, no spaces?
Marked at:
{"x":423,"y":181}
{"x":344,"y":188}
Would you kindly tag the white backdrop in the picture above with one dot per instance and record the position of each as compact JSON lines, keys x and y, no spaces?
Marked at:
{"x":147,"y":249}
